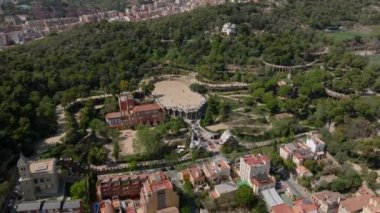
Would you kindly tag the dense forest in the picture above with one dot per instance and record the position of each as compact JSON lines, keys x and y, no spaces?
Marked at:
{"x":35,"y":77}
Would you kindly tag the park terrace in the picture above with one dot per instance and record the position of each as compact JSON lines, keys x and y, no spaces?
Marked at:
{"x":176,"y":98}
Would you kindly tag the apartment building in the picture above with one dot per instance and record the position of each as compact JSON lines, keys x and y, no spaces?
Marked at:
{"x":298,"y":152}
{"x":193,"y":174}
{"x":216,"y":171}
{"x":50,"y":206}
{"x":255,"y":170}
{"x":38,"y":179}
{"x":157,"y":194}
{"x":253,"y":166}
{"x":122,"y":186}
{"x":143,"y":193}
{"x":327,"y":201}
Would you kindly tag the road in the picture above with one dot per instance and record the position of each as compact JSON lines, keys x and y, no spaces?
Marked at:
{"x":297,"y":189}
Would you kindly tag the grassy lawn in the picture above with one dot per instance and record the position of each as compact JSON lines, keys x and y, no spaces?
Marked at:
{"x":345,"y":35}
{"x":350,"y":34}
{"x":267,"y":150}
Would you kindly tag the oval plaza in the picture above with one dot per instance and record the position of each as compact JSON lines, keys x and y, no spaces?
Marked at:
{"x":176,"y":98}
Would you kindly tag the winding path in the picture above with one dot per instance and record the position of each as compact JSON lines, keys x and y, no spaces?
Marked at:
{"x":44,"y":144}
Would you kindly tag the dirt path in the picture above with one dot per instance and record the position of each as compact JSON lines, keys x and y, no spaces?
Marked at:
{"x":44,"y":144}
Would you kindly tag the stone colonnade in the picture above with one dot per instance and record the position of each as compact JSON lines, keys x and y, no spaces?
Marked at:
{"x":334,"y":94}
{"x":281,"y":68}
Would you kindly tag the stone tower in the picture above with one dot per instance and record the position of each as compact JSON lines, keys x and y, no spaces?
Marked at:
{"x":26,"y":184}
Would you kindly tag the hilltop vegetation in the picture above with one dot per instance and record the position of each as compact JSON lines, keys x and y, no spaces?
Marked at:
{"x":37,"y":76}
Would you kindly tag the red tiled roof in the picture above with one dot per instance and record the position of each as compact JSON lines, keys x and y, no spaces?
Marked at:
{"x":158,"y":181}
{"x":113,"y":115}
{"x":256,"y":159}
{"x":146,"y":107}
{"x":196,"y":173}
{"x":356,"y":203}
{"x":214,"y":195}
{"x":223,"y":164}
{"x":300,"y":206}
{"x":282,"y":208}
{"x":165,"y":184}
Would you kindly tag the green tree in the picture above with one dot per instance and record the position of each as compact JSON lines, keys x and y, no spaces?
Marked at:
{"x":188,"y":189}
{"x":185,"y":209}
{"x":290,"y":165}
{"x":371,"y":179}
{"x":148,"y":141}
{"x":312,"y":165}
{"x":79,"y":190}
{"x":260,"y":207}
{"x":99,"y":126}
{"x":97,"y":156}
{"x":147,"y":88}
{"x":198,"y":88}
{"x":244,"y":196}
{"x":123,"y":85}
{"x":116,"y":150}
{"x":132,"y":165}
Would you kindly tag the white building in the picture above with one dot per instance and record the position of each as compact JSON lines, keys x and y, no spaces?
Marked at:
{"x":253,"y":165}
{"x":255,"y":170}
{"x":315,"y":144}
{"x":227,"y":137}
{"x":229,"y":29}
{"x":38,"y":179}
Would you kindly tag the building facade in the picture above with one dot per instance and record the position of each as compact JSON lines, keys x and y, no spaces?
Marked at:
{"x":143,"y":193}
{"x":194,"y":175}
{"x":298,"y":152}
{"x":50,"y":206}
{"x":327,"y":201}
{"x":255,"y":170}
{"x":38,"y":179}
{"x":254,"y":165}
{"x":122,"y":186}
{"x":132,"y":113}
{"x":216,"y":171}
{"x":158,"y":194}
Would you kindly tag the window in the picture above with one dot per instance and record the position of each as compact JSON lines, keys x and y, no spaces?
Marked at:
{"x":35,"y":180}
{"x":41,"y":180}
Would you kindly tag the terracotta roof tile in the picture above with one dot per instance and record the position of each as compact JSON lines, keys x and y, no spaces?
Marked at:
{"x":146,"y":107}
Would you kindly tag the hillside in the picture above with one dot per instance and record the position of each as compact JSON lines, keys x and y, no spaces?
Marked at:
{"x":37,"y":76}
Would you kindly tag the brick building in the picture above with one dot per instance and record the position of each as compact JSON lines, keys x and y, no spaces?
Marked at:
{"x":132,"y":113}
{"x":122,"y":186}
{"x":145,"y":193}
